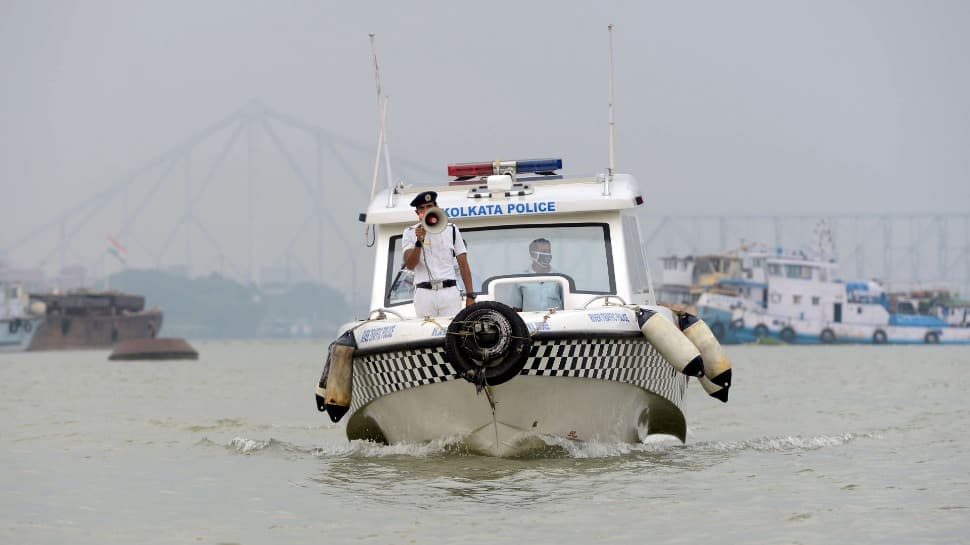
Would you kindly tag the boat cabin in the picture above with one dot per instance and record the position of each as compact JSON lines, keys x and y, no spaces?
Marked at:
{"x":501,"y":208}
{"x":13,"y":300}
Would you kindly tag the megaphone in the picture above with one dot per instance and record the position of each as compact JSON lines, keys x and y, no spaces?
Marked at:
{"x":435,"y":220}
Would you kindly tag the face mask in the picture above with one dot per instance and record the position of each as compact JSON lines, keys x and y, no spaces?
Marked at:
{"x":543,"y":259}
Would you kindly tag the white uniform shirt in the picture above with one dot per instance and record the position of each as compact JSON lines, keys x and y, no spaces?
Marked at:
{"x":437,"y":258}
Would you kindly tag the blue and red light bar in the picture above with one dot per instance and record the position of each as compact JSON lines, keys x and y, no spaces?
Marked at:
{"x":461,"y":170}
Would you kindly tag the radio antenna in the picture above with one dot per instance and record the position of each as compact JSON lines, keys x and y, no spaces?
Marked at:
{"x":377,"y":170}
{"x":377,"y":157}
{"x":381,"y":108}
{"x":611,"y":169}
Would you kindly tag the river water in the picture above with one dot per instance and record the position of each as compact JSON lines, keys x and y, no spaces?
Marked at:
{"x":830,"y":444}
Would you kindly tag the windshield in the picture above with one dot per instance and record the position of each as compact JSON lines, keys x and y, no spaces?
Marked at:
{"x":581,"y":251}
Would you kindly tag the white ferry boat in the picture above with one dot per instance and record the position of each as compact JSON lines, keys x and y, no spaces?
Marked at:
{"x":800,"y":298}
{"x":20,"y":319}
{"x":606,"y":364}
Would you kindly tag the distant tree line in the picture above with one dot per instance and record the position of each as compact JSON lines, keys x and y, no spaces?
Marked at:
{"x":218,"y":307}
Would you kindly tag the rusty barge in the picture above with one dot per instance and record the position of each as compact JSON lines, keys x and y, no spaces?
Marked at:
{"x":82,"y":319}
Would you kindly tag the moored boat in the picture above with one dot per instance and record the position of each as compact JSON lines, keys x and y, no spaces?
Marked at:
{"x":20,"y":319}
{"x":798,"y":297}
{"x":80,"y":319}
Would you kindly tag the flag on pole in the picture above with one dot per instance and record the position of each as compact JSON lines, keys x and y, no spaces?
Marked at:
{"x":118,"y":250}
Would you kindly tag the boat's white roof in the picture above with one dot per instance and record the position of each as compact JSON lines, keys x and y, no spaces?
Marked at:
{"x":545,"y":197}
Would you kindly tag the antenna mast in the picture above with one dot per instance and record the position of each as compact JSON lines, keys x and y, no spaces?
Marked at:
{"x":611,"y":169}
{"x":381,"y":105}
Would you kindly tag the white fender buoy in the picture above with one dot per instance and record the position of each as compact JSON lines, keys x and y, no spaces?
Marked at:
{"x":672,"y":344}
{"x":717,"y":368}
{"x":333,"y":393}
{"x":713,"y":390}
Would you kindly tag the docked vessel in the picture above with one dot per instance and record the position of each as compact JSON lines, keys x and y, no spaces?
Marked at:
{"x":799,"y":297}
{"x":91,"y":319}
{"x":936,"y":302}
{"x":606,"y":363}
{"x":20,"y":319}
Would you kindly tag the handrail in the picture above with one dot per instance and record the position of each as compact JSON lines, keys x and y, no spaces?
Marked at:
{"x":607,"y":297}
{"x":381,"y":312}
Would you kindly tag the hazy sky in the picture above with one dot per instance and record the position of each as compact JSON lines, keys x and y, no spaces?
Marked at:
{"x":721,"y":107}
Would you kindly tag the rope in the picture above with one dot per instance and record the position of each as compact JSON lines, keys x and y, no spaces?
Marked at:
{"x":480,"y":381}
{"x":466,"y":332}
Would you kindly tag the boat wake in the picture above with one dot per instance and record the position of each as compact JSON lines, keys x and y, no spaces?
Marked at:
{"x":791,"y":443}
{"x":544,"y":447}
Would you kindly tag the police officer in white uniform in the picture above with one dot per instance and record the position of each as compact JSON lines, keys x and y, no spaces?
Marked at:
{"x":430,"y":256}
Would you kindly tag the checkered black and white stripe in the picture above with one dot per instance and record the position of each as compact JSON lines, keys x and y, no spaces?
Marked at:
{"x":382,"y":373}
{"x":632,"y":360}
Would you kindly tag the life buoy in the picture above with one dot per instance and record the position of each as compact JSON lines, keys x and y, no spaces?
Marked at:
{"x":827,"y":336}
{"x":488,"y":343}
{"x":879,"y":337}
{"x":761,"y":330}
{"x":931,"y":338}
{"x":787,"y":334}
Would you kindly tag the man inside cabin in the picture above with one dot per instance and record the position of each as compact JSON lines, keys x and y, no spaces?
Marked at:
{"x":430,"y":256}
{"x":544,"y":295}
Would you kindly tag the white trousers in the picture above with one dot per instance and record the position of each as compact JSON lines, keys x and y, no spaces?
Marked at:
{"x":443,"y":302}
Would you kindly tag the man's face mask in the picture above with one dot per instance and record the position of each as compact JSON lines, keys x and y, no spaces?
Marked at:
{"x":543,"y":259}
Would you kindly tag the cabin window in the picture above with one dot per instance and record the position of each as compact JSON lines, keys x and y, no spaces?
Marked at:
{"x":635,"y":259}
{"x":796,"y":299}
{"x":774,"y":269}
{"x":816,"y":300}
{"x":798,"y":271}
{"x":581,"y":251}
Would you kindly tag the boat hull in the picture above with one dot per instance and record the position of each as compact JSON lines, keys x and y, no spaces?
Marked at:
{"x":592,"y":388}
{"x":734,"y":325}
{"x":66,"y":332}
{"x":16,"y":334}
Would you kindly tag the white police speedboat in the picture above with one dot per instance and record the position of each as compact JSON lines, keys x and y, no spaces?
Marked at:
{"x":607,"y":364}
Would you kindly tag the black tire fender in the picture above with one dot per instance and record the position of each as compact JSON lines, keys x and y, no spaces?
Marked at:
{"x":931,"y":338}
{"x":490,"y":338}
{"x":879,"y":337}
{"x":827,"y":336}
{"x":787,"y":334}
{"x":761,"y":330}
